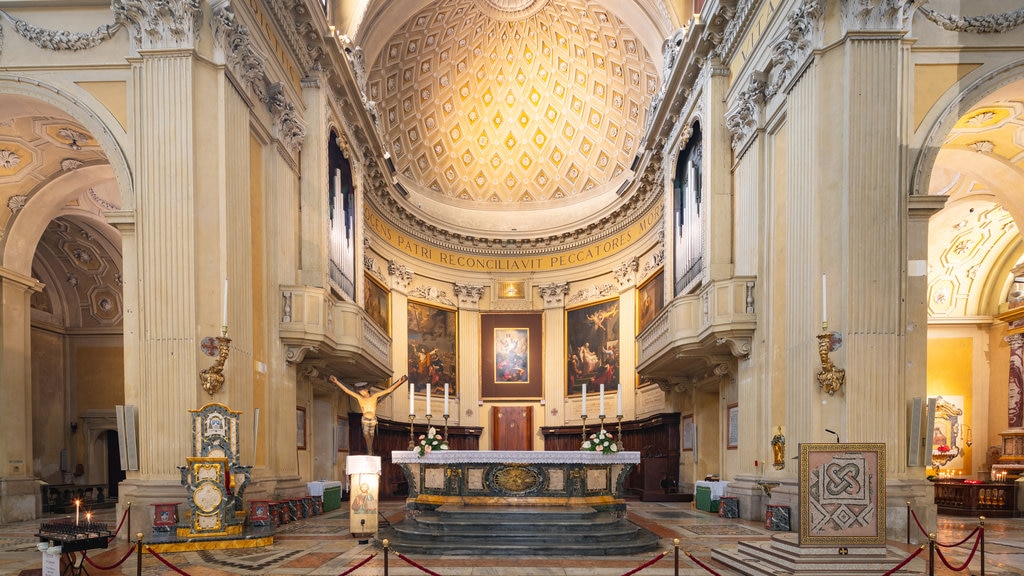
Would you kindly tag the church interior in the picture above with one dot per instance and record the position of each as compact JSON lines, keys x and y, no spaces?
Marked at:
{"x":724,"y":231}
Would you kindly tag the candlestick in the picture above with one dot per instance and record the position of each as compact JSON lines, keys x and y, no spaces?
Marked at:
{"x":445,"y":435}
{"x":224,"y":306}
{"x":618,"y":435}
{"x":412,"y":442}
{"x":446,"y":405}
{"x":618,"y":401}
{"x":428,"y":399}
{"x":600,"y":408}
{"x":583,"y":402}
{"x":584,"y":435}
{"x":412,"y":400}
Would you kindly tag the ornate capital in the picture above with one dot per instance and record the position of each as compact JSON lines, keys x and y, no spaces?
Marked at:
{"x":742,"y":120}
{"x":554,"y":294}
{"x":401,"y":277}
{"x":875,"y":14}
{"x":235,"y":40}
{"x":468,"y":294}
{"x":625,"y":273}
{"x":159,"y":24}
{"x":794,"y":46}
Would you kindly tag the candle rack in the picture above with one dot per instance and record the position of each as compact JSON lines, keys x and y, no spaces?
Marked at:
{"x":831,"y":377}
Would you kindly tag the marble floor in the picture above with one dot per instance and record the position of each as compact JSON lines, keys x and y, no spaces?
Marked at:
{"x":322,"y":546}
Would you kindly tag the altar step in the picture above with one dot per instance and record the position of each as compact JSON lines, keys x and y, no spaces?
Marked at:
{"x":783,"y":555}
{"x":518,"y":531}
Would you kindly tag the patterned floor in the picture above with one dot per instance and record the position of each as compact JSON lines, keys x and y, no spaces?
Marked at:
{"x":322,"y":546}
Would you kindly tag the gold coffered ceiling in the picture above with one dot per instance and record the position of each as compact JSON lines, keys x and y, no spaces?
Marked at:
{"x":479,"y":108}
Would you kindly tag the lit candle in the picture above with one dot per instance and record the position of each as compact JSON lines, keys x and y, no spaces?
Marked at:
{"x":88,"y":517}
{"x":618,"y":400}
{"x":600,"y":407}
{"x":824,"y":303}
{"x":428,"y":398}
{"x":412,"y":400}
{"x":445,"y":398}
{"x":224,"y":306}
{"x":78,"y":505}
{"x":583,"y":400}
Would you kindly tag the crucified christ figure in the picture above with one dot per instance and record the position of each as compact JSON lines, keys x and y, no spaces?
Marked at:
{"x":368,"y":404}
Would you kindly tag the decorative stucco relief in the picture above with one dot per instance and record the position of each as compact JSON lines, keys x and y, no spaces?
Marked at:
{"x":159,"y":23}
{"x":61,"y":39}
{"x":988,"y":24}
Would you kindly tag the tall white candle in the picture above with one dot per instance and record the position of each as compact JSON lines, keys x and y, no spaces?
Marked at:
{"x":600,"y":407}
{"x":618,"y":400}
{"x":224,"y":305}
{"x":412,"y":400}
{"x":824,"y":302}
{"x":583,"y":400}
{"x":446,"y":399}
{"x":78,"y":504}
{"x":428,"y":398}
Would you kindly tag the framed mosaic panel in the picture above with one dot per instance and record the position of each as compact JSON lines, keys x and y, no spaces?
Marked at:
{"x":432,"y":348}
{"x":842,"y":494}
{"x":592,"y":347}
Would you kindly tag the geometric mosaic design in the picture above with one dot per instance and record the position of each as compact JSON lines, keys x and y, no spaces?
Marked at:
{"x":842,"y":493}
{"x":720,"y":530}
{"x":477,"y":109}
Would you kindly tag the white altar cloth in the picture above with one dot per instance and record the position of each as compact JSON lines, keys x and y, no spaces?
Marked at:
{"x":513,"y":456}
{"x":317,"y":488}
{"x":717,"y":488}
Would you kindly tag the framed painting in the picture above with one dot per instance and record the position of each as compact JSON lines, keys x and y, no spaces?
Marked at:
{"x":341,"y":434}
{"x":511,"y":356}
{"x":842,"y":494}
{"x":300,"y":427}
{"x":732,"y":439}
{"x":377,"y":303}
{"x":688,"y":433}
{"x":592,"y":347}
{"x":432,"y":348}
{"x":650,"y":300}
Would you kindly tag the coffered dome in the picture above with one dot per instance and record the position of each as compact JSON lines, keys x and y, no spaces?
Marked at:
{"x":523,"y":104}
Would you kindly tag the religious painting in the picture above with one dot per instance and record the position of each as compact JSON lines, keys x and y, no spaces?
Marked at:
{"x":376,"y":303}
{"x":650,"y":300}
{"x":592,"y":347}
{"x":300,"y":427}
{"x":341,"y":434}
{"x":842,"y":494}
{"x":688,"y":433}
{"x":432,"y":348}
{"x":510,"y":360}
{"x":732,"y":427}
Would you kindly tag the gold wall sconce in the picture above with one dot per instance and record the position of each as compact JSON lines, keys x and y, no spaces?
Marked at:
{"x":831,"y":377}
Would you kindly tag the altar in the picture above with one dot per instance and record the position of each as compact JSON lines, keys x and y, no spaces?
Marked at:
{"x":509,"y":502}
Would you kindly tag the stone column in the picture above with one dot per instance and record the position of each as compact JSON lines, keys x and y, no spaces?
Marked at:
{"x":553,"y":296}
{"x":468,"y":394}
{"x":19,"y":491}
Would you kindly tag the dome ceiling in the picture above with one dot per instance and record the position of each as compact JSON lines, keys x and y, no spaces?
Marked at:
{"x":512,"y":103}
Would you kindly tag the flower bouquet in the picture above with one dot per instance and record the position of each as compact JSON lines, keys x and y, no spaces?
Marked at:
{"x":430,"y":442}
{"x":602,"y":441}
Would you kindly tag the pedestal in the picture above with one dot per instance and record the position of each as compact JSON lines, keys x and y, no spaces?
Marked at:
{"x":259,"y":513}
{"x":165,"y":516}
{"x":728,"y":507}
{"x":776,"y":517}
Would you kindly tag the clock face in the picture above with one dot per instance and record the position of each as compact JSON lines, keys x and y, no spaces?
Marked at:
{"x":207,"y":496}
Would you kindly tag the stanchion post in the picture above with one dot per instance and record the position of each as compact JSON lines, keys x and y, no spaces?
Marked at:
{"x":128,"y":511}
{"x":385,"y":543}
{"x":981,"y":530}
{"x":908,"y":522}
{"x":931,"y":554}
{"x":138,"y":543}
{"x":675,"y":543}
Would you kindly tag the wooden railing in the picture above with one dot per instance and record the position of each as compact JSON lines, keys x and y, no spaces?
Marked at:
{"x":972,"y":498}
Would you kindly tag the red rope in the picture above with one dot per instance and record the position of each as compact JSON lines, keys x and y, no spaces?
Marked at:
{"x":646,"y":564}
{"x":116,"y":564}
{"x":701,"y":564}
{"x":960,"y":542}
{"x":904,"y":563}
{"x":966,"y":562}
{"x":123,"y":516}
{"x":357,"y":566}
{"x":415,"y":565}
{"x":918,"y":522}
{"x":166,"y":563}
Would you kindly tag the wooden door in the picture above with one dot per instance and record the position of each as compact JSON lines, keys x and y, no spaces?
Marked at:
{"x":512,"y":428}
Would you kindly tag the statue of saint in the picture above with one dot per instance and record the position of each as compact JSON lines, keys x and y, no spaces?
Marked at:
{"x":779,"y":450}
{"x":368,"y":404}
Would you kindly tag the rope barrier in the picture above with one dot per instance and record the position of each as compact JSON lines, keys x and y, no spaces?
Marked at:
{"x":968,"y":537}
{"x":905,"y":561}
{"x":966,"y":562}
{"x":357,"y":566}
{"x":646,"y":564}
{"x":918,"y":522}
{"x":415,"y":565}
{"x":115,"y":565}
{"x":701,"y":564}
{"x":166,"y":563}
{"x":123,"y":516}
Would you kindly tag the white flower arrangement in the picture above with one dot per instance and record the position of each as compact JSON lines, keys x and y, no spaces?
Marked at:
{"x":603,"y":441}
{"x":430,"y":442}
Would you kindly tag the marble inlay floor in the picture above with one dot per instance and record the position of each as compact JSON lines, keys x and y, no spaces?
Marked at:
{"x":322,"y":546}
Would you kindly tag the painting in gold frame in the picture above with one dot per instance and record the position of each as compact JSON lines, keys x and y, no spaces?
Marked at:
{"x":842,"y":494}
{"x":377,"y":303}
{"x":432,"y":348}
{"x":650,"y":300}
{"x":592,"y":347}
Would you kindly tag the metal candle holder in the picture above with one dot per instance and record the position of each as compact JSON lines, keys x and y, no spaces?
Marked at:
{"x":584,"y":435}
{"x":412,"y":442}
{"x":618,"y":433}
{"x":445,"y":435}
